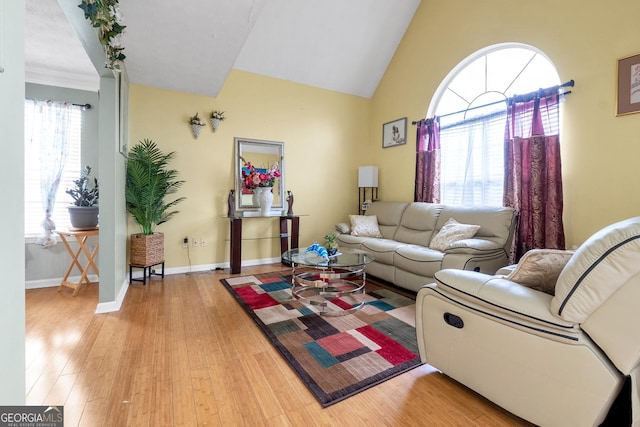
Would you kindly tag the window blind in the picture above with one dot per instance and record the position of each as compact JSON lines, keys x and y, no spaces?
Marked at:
{"x":472,"y":168}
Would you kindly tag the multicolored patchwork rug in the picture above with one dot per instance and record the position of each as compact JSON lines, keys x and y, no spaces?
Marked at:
{"x":335,"y":356}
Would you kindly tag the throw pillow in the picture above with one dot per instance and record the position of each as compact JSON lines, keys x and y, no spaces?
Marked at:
{"x":539,"y":269}
{"x":451,"y":232}
{"x":364,"y":225}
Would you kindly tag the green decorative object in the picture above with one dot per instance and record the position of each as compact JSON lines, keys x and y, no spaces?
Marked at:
{"x":83,"y":194}
{"x":84,"y":212}
{"x":106,"y":17}
{"x":331,"y":243}
{"x":148,"y":184}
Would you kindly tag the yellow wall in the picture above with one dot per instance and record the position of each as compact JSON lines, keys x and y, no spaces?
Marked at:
{"x":327,"y":135}
{"x":600,"y":151}
{"x":324,"y":135}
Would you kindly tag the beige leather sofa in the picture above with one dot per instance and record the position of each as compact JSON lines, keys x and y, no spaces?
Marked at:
{"x":402,"y":253}
{"x":554,"y":358}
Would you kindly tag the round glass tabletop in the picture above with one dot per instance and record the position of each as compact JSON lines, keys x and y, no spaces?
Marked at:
{"x":344,"y":258}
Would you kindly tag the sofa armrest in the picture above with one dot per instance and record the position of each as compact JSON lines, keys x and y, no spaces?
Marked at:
{"x":473,"y":246}
{"x":343,"y":228}
{"x":506,"y":270}
{"x":502,"y":298}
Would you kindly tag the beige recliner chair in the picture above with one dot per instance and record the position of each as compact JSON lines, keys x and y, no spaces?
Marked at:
{"x":555,"y":353}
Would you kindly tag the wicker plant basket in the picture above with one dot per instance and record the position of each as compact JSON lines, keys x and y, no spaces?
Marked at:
{"x":146,"y":250}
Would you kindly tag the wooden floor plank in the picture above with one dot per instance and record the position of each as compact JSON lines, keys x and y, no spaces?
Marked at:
{"x":181,"y":351}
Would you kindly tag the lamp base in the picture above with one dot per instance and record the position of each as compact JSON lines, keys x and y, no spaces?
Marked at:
{"x":362,"y":198}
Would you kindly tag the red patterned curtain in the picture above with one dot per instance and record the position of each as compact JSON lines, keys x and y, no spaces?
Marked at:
{"x":533,"y":178}
{"x":428,"y":161}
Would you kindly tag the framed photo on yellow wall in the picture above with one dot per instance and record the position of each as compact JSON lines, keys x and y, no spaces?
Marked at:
{"x":628,"y":95}
{"x":394,"y":133}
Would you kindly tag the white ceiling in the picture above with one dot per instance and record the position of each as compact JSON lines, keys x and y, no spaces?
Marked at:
{"x":338,"y":45}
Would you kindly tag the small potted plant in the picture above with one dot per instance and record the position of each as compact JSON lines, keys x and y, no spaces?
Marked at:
{"x":216,"y":117}
{"x":84,"y":211}
{"x":196,"y":125}
{"x":331,"y":244}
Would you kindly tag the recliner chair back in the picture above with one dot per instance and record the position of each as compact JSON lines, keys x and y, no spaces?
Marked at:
{"x":599,"y":288}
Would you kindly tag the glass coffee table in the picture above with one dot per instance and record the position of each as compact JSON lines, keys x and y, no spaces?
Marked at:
{"x":336,"y":285}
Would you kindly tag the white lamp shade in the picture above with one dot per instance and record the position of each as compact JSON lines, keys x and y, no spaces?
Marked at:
{"x":368,"y":176}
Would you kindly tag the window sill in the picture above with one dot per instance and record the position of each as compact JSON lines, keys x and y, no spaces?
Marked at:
{"x":31,"y":240}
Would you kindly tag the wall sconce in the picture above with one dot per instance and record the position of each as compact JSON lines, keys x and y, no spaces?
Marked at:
{"x":196,"y":125}
{"x":367,"y":179}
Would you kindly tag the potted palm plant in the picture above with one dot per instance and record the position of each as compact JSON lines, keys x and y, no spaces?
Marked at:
{"x":148,"y":184}
{"x":83,"y":214}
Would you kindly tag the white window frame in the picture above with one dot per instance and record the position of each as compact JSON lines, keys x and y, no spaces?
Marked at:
{"x":442,"y":89}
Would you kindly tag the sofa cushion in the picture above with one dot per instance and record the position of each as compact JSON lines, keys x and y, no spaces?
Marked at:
{"x":389,"y":215}
{"x":496,"y":223}
{"x":451,"y":232}
{"x":473,"y":246}
{"x":539,"y":269}
{"x":418,"y":260}
{"x":364,"y":225}
{"x":381,"y":249}
{"x":418,"y":223}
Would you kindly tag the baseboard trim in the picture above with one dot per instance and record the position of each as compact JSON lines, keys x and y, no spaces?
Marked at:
{"x":54,"y":282}
{"x":111,"y":306}
{"x":108,"y":307}
{"x":220,"y":266}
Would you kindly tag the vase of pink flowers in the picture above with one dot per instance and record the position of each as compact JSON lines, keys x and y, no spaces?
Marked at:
{"x":261,"y":182}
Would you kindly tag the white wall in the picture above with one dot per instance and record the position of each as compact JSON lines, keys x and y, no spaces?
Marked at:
{"x":111,"y":165}
{"x":12,"y":309}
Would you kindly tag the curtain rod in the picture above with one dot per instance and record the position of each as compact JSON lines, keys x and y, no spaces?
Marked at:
{"x":85,"y":107}
{"x":570,"y":83}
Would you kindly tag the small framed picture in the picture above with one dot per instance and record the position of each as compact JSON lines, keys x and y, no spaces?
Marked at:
{"x":628,"y":96}
{"x":394,"y":133}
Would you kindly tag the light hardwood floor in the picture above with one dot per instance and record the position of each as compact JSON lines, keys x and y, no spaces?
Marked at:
{"x":181,"y":351}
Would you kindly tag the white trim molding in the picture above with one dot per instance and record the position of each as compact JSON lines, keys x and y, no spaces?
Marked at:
{"x":111,"y":306}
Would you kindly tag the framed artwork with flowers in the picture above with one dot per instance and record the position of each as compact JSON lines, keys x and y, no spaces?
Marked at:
{"x":628,"y":95}
{"x":394,"y":133}
{"x":259,"y":165}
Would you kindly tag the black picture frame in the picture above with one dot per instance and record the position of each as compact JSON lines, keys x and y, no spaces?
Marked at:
{"x":394,"y":133}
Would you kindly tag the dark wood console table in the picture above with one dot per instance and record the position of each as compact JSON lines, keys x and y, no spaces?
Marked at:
{"x":236,"y":237}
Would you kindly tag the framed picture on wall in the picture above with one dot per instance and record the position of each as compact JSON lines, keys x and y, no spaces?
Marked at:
{"x":628,"y":96}
{"x":394,"y":133}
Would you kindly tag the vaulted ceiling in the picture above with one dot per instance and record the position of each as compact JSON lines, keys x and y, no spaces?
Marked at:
{"x":192,"y":46}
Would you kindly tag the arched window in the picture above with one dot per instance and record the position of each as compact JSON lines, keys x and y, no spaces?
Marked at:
{"x":472,"y":109}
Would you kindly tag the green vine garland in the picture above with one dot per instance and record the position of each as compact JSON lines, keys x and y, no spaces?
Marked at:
{"x":106,"y":17}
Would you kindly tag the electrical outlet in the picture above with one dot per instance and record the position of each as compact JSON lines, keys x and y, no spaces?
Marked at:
{"x":185,"y":242}
{"x":203,"y":242}
{"x":195,"y":243}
